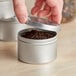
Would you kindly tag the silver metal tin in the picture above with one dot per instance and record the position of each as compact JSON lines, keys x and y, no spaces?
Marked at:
{"x":10,"y":29}
{"x":36,"y":51}
{"x":0,"y":31}
{"x":6,"y":9}
{"x":44,"y":24}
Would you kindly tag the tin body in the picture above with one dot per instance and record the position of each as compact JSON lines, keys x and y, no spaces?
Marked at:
{"x":36,"y":51}
{"x":1,"y":31}
{"x":10,"y":29}
{"x":6,"y":9}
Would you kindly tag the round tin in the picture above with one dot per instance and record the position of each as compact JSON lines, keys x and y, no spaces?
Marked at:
{"x":10,"y":29}
{"x":36,"y":51}
{"x":6,"y":9}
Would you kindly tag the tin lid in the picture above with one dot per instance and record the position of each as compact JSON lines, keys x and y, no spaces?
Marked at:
{"x":42,"y":23}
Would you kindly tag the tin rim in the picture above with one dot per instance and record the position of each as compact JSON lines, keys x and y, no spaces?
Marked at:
{"x":35,"y":41}
{"x":4,"y":1}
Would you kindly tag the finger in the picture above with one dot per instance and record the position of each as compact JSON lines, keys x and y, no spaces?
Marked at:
{"x":56,"y":10}
{"x":45,"y":11}
{"x":37,"y":7}
{"x":20,"y":10}
{"x":55,"y":18}
{"x":56,"y":15}
{"x":39,"y":2}
{"x":35,"y":10}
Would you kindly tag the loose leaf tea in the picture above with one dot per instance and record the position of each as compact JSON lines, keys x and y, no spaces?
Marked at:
{"x":38,"y":34}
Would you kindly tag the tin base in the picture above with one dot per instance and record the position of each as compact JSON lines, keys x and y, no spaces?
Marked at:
{"x":37,"y":63}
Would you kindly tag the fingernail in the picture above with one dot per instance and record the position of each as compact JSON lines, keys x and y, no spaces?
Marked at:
{"x":22,"y":19}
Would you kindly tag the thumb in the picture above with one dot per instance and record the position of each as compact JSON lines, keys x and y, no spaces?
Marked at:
{"x":20,"y":10}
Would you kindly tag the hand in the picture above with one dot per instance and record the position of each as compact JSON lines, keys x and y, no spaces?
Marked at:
{"x":20,"y":10}
{"x":52,"y":9}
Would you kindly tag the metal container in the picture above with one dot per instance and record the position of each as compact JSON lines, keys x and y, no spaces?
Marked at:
{"x":36,"y":51}
{"x":0,"y":31}
{"x":6,"y":9}
{"x":10,"y":29}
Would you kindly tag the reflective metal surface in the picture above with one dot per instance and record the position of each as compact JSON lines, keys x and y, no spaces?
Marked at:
{"x":36,"y":51}
{"x":10,"y":29}
{"x":6,"y":9}
{"x":43,"y":24}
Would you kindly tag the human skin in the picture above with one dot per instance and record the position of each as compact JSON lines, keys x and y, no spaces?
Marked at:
{"x":20,"y":10}
{"x":52,"y":10}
